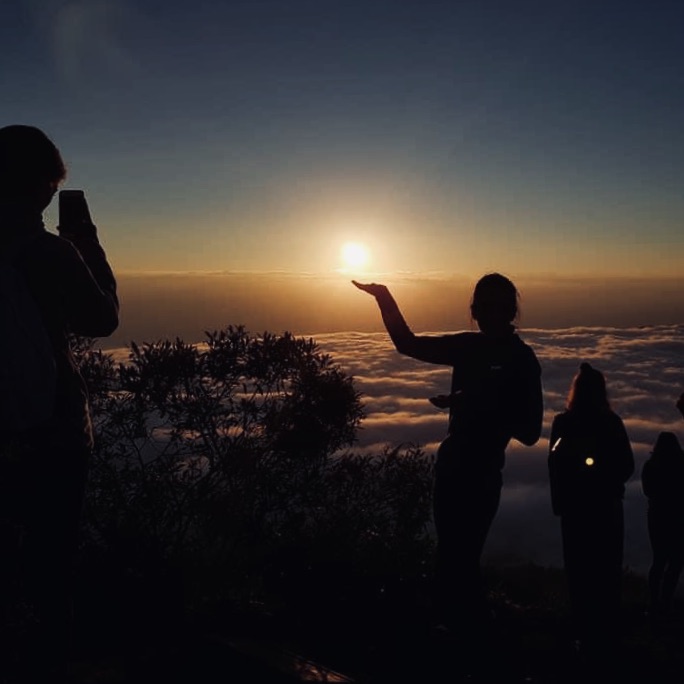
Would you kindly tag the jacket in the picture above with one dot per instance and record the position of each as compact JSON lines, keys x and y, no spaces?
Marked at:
{"x":75,"y":290}
{"x":590,"y":459}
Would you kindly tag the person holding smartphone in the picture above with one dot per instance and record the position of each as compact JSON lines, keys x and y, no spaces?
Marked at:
{"x":44,"y":451}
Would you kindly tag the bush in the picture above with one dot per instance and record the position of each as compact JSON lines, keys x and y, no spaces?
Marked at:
{"x":227,"y":462}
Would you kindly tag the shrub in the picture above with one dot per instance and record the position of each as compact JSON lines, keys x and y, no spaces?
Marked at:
{"x":226,"y":461}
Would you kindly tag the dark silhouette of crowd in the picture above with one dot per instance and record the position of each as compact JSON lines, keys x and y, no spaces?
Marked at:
{"x":496,"y":396}
{"x":54,"y":286}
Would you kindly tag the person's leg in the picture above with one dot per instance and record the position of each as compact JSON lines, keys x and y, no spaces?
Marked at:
{"x":659,"y":547}
{"x":13,"y":492}
{"x":573,"y":537}
{"x":592,"y":553}
{"x":50,"y":543}
{"x":608,"y":546}
{"x":673,"y":567}
{"x":465,"y":507}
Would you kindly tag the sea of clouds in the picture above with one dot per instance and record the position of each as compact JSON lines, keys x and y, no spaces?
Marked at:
{"x":643,"y":368}
{"x":644,"y":372}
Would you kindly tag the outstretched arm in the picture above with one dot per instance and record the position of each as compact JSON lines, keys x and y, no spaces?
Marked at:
{"x":424,"y":348}
{"x":529,"y":409}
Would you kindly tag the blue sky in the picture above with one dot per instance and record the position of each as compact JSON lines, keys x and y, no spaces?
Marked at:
{"x":451,"y":137}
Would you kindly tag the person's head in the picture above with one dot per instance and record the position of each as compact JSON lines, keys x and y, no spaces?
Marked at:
{"x":31,"y":167}
{"x":495,"y":303}
{"x":667,"y":446}
{"x":588,"y":390}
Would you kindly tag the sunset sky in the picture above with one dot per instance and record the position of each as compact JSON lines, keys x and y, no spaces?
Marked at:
{"x":231,"y":149}
{"x":540,"y":139}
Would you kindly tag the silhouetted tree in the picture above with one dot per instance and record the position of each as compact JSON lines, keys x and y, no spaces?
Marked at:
{"x":226,"y":460}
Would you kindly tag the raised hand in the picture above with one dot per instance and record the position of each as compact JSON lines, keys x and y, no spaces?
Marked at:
{"x":373,"y":289}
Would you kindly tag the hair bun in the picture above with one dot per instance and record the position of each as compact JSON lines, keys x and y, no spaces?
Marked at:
{"x":585,"y":367}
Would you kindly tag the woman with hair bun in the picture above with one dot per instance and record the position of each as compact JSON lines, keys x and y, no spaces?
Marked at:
{"x":590,"y":460}
{"x":495,"y":396}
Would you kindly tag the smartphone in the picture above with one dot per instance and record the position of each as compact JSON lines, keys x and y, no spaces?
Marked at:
{"x":73,"y":210}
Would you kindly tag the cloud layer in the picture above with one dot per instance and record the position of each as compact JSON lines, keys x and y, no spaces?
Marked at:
{"x":643,"y":370}
{"x":644,"y":374}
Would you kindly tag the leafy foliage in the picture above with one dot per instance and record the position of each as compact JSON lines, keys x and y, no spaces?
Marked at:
{"x":226,"y":460}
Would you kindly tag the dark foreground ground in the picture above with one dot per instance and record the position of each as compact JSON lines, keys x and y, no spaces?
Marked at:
{"x":389,"y":636}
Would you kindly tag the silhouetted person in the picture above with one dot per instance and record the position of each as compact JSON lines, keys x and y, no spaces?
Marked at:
{"x":44,"y":457}
{"x":495,"y":396}
{"x":590,"y":460}
{"x":662,"y":479}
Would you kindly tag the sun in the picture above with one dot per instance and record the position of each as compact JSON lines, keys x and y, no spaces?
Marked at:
{"x":354,"y":255}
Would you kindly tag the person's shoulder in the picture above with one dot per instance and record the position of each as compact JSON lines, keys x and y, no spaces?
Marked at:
{"x":561,"y":418}
{"x":53,"y":241}
{"x":524,"y":348}
{"x":524,"y":352}
{"x":46,"y":255}
{"x":613,"y":419}
{"x":608,"y":425}
{"x":56,"y":246}
{"x":463,"y":340}
{"x":559,"y":427}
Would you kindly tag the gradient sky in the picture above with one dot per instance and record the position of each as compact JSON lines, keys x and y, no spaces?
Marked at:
{"x":449,"y":137}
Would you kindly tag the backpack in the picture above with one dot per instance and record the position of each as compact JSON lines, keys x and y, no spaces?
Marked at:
{"x":28,"y":373}
{"x":503,"y":382}
{"x":578,"y":472}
